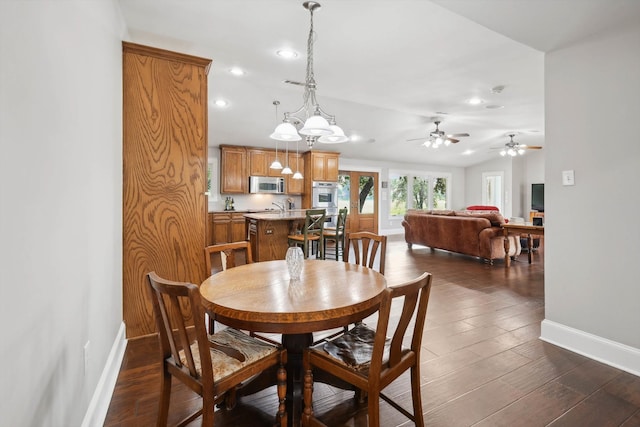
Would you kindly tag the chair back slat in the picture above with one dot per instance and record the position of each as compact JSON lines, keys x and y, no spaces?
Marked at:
{"x":367,"y":247}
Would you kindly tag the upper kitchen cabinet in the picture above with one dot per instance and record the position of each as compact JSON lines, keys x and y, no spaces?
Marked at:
{"x":295,"y":186}
{"x":164,"y":208}
{"x":321,"y":165}
{"x":260,"y":162}
{"x":234,"y":176}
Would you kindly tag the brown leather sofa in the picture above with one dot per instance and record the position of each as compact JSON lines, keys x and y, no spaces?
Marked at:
{"x":476,"y":234}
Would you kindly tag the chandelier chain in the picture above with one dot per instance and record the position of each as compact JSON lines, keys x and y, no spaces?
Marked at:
{"x":310,"y":84}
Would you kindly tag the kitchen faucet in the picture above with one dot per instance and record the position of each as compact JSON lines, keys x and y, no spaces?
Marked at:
{"x":279,"y":205}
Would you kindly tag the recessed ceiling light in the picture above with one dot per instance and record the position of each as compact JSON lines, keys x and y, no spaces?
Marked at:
{"x":221,"y":103}
{"x":493,"y":107}
{"x":237,"y":71}
{"x":287,"y":53}
{"x":475,"y":101}
{"x":467,"y":152}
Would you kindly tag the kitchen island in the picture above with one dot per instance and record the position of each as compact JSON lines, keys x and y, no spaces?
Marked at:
{"x":268,"y":232}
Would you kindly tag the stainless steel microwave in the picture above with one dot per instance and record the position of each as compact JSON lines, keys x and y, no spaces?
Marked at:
{"x":266,"y":184}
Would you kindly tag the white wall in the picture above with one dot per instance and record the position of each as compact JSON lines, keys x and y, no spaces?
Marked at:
{"x":519,"y":173}
{"x":533,"y":173}
{"x":60,"y":205}
{"x":592,"y":297}
{"x":473,"y":187}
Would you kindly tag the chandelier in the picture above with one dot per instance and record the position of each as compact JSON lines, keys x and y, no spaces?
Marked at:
{"x":316,"y":124}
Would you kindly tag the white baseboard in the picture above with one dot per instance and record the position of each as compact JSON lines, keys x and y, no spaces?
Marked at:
{"x":99,"y":405}
{"x":592,"y":346}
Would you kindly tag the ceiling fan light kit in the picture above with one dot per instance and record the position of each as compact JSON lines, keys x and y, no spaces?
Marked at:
{"x":437,"y":137}
{"x":316,"y":124}
{"x":513,"y":148}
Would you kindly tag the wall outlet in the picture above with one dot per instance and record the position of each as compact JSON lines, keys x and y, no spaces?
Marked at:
{"x":87,"y":346}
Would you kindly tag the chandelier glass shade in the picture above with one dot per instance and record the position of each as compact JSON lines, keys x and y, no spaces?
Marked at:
{"x":310,"y":119}
{"x":512,"y":151}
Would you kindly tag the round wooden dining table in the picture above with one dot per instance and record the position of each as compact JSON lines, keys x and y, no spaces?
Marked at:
{"x":260,"y":297}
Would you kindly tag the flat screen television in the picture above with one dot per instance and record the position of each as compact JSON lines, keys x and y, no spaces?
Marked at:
{"x":537,"y":197}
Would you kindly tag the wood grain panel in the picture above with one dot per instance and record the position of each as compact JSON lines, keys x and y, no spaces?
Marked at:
{"x":164,"y":174}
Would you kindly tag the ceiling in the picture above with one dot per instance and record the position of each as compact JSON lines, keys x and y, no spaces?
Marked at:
{"x":384,"y":68}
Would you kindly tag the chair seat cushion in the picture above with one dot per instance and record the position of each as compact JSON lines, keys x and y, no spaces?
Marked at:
{"x":354,"y":348}
{"x":232,"y":346}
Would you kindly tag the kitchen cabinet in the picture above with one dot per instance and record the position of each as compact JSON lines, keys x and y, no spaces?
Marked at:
{"x":227,"y":227}
{"x":239,"y":162}
{"x":295,"y":186}
{"x":322,"y":165}
{"x":319,"y":166}
{"x":164,"y":174}
{"x":234,"y":176}
{"x":260,"y":161}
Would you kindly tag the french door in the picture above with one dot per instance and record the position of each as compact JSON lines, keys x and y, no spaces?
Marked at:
{"x":358,"y":192}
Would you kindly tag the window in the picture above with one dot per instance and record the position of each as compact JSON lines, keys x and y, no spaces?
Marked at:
{"x":398,"y":186}
{"x":428,"y":191}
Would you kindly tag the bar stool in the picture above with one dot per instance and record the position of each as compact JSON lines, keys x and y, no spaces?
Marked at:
{"x":312,"y":231}
{"x":336,"y":234}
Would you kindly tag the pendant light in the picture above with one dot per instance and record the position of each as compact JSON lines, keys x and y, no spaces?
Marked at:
{"x":297,"y":175}
{"x":276,"y":163}
{"x":287,"y":170}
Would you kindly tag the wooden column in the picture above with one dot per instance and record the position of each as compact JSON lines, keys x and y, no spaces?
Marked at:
{"x":164,"y":174}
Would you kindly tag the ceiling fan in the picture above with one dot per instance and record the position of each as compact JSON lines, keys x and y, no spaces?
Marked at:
{"x":514,"y":148}
{"x":437,"y":137}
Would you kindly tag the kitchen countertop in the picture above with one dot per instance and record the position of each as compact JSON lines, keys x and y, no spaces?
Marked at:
{"x":267,"y":210}
{"x":277,"y":215}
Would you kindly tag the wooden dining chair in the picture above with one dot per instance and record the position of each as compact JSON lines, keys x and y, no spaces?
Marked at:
{"x":212,"y":365}
{"x":368,"y":360}
{"x":223,"y":256}
{"x":312,"y":232}
{"x":336,"y":234}
{"x":366,"y":246}
{"x":226,"y":255}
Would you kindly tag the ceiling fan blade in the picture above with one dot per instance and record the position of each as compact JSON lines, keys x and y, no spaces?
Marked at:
{"x":533,"y":147}
{"x":458,"y":135}
{"x":453,"y":140}
{"x":417,"y":139}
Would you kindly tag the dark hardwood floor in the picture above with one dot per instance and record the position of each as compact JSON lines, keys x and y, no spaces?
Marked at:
{"x":482,"y":361}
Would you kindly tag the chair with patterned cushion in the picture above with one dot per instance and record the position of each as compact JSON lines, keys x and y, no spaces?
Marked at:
{"x":211,"y":365}
{"x":312,"y":232}
{"x":222,"y":256}
{"x":368,"y":360}
{"x":336,"y":234}
{"x":366,"y":247}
